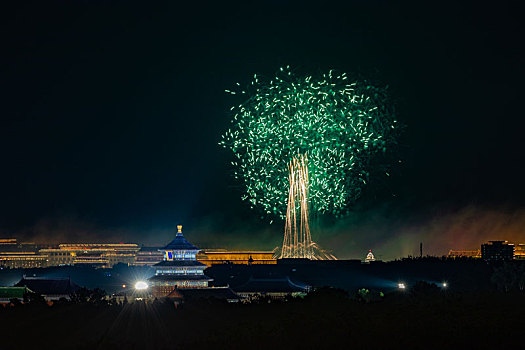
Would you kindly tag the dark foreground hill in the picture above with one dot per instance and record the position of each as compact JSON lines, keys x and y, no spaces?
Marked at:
{"x":327,"y":319}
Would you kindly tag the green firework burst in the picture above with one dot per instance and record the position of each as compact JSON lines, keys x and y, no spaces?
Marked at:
{"x":338,"y":123}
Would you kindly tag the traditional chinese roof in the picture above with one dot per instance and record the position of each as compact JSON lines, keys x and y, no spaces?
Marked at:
{"x":271,"y":285}
{"x":180,"y":263}
{"x":180,"y":243}
{"x":179,"y":277}
{"x":48,"y":286}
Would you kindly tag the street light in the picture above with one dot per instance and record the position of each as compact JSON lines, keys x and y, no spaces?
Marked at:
{"x":141,"y":285}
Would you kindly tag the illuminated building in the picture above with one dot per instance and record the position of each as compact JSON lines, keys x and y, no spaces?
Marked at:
{"x":7,"y":242}
{"x":464,"y":254}
{"x":107,"y":253}
{"x":519,"y":251}
{"x":497,"y":251}
{"x":179,"y":268}
{"x":57,"y":257}
{"x":93,"y":254}
{"x":211,"y":257}
{"x":17,"y":255}
{"x":93,"y":257}
{"x":27,"y":255}
{"x":148,"y":256}
{"x":370,"y":257}
{"x":24,"y":260}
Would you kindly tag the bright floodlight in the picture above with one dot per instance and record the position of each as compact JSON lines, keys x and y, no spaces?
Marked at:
{"x":444,"y":284}
{"x":141,"y":285}
{"x":401,"y":286}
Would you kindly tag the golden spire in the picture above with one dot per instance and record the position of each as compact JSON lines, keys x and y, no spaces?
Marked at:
{"x":179,"y":229}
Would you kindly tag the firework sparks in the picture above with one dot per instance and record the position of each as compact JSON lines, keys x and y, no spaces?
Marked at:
{"x":338,"y":123}
{"x":297,"y":241}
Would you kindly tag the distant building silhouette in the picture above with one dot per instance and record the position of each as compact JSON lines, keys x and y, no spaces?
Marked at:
{"x":275,"y":288}
{"x":50,"y":288}
{"x":519,"y":251}
{"x":148,"y":256}
{"x":497,"y":251}
{"x":464,"y":253}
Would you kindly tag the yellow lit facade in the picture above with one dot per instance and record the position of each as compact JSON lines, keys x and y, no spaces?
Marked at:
{"x":519,"y":251}
{"x":57,"y":257}
{"x":27,"y":255}
{"x":464,"y":254}
{"x":98,"y":254}
{"x":245,"y":257}
{"x":148,"y":256}
{"x":119,"y":247}
{"x":7,"y":241}
{"x":23,"y":260}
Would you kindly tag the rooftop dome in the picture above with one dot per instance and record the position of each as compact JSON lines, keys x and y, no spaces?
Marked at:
{"x":180,"y":242}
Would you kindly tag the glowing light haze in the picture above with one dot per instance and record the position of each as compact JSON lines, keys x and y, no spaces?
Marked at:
{"x":337,"y":122}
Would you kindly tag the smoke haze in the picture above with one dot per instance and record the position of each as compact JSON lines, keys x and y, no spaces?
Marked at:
{"x":390,"y":233}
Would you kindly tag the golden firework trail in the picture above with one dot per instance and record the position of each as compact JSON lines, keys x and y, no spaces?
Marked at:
{"x":297,"y":241}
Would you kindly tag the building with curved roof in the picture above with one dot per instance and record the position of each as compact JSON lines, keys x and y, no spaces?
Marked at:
{"x":179,"y":268}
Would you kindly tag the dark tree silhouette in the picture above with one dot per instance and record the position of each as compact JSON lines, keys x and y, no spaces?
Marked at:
{"x":509,"y":276}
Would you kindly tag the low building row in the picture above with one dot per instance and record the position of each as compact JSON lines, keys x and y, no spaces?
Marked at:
{"x":179,"y":276}
{"x":106,"y":255}
{"x":493,"y":251}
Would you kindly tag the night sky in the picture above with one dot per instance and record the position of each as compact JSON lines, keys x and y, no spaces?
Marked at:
{"x":112,"y":110}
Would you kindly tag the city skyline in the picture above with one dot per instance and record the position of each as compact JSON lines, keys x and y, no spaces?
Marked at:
{"x":111,"y":127}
